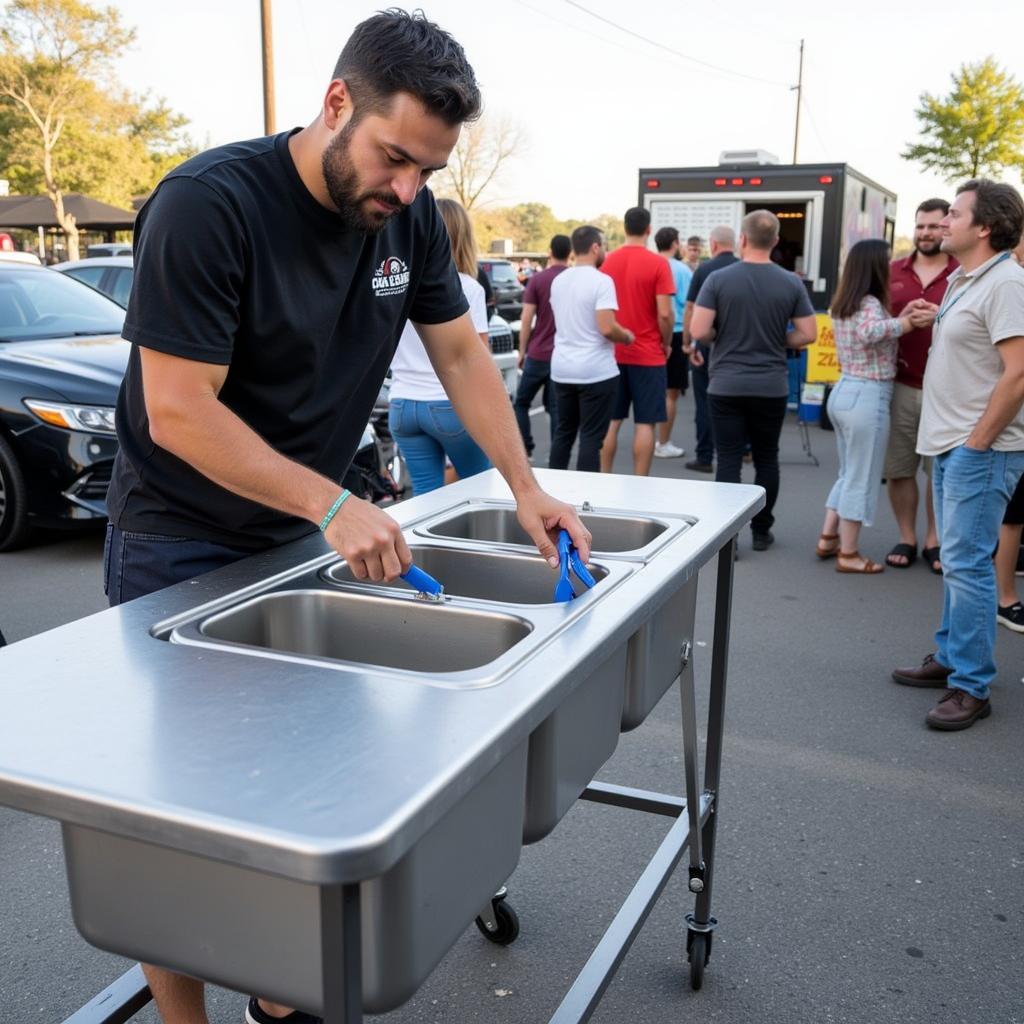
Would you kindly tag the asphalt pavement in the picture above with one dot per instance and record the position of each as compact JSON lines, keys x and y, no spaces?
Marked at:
{"x":869,"y":869}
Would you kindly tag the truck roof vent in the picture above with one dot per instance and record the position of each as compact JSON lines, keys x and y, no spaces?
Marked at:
{"x":755,"y":157}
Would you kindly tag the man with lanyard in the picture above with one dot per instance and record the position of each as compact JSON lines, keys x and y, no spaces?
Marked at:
{"x":273,"y":279}
{"x":722,"y":242}
{"x":972,"y":424}
{"x":923,"y":275}
{"x":537,"y":340}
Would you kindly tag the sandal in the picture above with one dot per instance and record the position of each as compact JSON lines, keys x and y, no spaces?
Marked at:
{"x":907,"y":551}
{"x":866,"y":568}
{"x":931,"y":556}
{"x":828,"y":545}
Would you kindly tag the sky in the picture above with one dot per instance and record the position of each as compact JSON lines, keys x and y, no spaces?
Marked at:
{"x":598,"y":103}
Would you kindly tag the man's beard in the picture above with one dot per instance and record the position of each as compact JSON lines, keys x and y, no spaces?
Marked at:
{"x":930,"y":248}
{"x":343,"y":187}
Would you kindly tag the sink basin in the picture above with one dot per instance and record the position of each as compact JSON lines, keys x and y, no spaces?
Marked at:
{"x":483,"y":576}
{"x":613,"y":534}
{"x":399,"y":634}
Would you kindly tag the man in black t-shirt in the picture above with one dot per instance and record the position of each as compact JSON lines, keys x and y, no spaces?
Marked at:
{"x":722,"y":242}
{"x":750,"y":313}
{"x":273,"y":279}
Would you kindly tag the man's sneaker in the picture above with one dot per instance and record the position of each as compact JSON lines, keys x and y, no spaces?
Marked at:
{"x":1012,"y":617}
{"x":956,"y":710}
{"x":700,"y":467}
{"x":763,"y":541}
{"x":255,"y":1015}
{"x":667,"y":450}
{"x":929,"y":673}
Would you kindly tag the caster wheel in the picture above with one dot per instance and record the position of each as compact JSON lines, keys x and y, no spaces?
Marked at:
{"x":508,"y":925}
{"x":699,"y":953}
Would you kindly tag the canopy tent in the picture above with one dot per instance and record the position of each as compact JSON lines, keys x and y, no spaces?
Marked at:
{"x":38,"y":212}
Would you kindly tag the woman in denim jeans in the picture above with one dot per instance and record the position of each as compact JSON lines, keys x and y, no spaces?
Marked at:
{"x":421,"y":418}
{"x":866,"y":344}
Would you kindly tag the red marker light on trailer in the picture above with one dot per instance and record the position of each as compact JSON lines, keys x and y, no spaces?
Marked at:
{"x":825,"y":179}
{"x":653,"y":183}
{"x":737,"y":181}
{"x":720,"y":182}
{"x":755,"y":181}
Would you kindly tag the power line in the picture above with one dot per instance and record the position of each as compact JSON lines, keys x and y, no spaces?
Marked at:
{"x":674,"y":52}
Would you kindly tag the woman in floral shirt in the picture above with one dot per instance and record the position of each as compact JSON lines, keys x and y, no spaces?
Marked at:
{"x":866,"y":343}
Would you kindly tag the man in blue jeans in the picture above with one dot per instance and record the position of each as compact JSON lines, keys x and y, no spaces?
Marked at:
{"x":972,"y":423}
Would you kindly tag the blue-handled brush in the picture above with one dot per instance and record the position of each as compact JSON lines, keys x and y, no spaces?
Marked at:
{"x":563,"y":588}
{"x":424,"y":583}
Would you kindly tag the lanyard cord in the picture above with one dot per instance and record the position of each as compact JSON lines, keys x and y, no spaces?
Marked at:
{"x":947,"y":306}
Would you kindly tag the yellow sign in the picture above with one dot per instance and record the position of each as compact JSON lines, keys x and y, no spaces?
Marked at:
{"x":822,"y":361}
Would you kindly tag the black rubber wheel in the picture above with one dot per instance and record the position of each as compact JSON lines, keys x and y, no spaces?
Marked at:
{"x":13,"y":500}
{"x":698,"y":959}
{"x":508,"y":925}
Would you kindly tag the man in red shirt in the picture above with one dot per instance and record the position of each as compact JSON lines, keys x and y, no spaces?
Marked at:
{"x":644,"y":287}
{"x":921,"y":275}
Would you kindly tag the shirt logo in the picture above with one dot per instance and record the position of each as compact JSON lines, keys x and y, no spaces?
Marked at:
{"x":390,"y":278}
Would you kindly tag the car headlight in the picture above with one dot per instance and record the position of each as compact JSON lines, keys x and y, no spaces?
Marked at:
{"x":90,"y":419}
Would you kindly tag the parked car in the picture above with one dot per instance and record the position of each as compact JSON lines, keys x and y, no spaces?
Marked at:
{"x":108,"y":249}
{"x":508,"y":292}
{"x":61,"y":364}
{"x":111,"y":275}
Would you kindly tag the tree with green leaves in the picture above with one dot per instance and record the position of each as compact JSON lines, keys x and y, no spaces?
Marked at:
{"x":977,"y":130}
{"x":65,"y":124}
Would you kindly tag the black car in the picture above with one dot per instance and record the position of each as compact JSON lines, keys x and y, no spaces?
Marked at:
{"x":61,"y":364}
{"x":508,"y":292}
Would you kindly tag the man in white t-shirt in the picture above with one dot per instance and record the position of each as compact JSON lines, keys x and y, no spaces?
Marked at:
{"x":583,"y":366}
{"x":972,"y":424}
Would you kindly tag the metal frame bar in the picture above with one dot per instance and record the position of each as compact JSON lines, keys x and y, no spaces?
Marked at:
{"x":694,"y":827}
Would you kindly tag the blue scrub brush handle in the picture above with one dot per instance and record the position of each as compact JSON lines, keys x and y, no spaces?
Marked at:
{"x":422,"y":581}
{"x":563,"y":588}
{"x":583,"y":574}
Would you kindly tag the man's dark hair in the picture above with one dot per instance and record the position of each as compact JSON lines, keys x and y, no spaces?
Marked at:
{"x":637,"y":221}
{"x":665,"y":238}
{"x":933,"y":206}
{"x":694,"y":240}
{"x":395,"y":51}
{"x":584,"y":237}
{"x":761,"y":228}
{"x":999,"y":208}
{"x":560,"y":247}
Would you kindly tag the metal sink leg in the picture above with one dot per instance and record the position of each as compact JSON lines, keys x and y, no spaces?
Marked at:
{"x":341,"y":943}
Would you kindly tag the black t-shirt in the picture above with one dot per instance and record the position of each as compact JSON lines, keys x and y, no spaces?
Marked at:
{"x":237,"y":264}
{"x":700,"y":275}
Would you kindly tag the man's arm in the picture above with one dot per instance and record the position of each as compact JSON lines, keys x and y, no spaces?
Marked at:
{"x":611,"y":329}
{"x":804,"y":333}
{"x":666,"y":320}
{"x":1006,"y":399}
{"x":473,"y":384}
{"x":187,"y":418}
{"x":525,"y":329}
{"x":702,"y":324}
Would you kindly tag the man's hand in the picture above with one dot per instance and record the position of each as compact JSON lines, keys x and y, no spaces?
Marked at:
{"x":542,"y":516}
{"x":369,"y":540}
{"x":695,"y":354}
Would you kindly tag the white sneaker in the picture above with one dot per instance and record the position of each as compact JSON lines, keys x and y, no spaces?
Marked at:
{"x":667,"y":450}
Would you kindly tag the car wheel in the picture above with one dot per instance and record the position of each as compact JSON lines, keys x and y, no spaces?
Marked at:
{"x":13,"y":501}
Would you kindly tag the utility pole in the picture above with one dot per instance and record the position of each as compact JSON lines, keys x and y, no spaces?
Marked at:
{"x":266,"y":26}
{"x":799,"y":87}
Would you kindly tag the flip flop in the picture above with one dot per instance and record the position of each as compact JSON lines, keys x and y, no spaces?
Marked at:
{"x":908,"y":551}
{"x":931,"y":556}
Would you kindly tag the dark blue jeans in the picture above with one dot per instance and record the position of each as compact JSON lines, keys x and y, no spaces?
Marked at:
{"x":702,"y":415}
{"x":137,"y":564}
{"x":536,"y":375}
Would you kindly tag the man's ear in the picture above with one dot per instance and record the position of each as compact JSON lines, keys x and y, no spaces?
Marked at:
{"x":337,"y":107}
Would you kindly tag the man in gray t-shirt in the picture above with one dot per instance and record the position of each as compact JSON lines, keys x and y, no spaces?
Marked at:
{"x":750,"y":313}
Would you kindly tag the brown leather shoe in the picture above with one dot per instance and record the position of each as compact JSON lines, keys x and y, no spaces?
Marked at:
{"x":957,"y":709}
{"x":929,"y":673}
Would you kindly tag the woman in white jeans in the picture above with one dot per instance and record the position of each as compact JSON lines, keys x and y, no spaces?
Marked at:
{"x":867,"y":342}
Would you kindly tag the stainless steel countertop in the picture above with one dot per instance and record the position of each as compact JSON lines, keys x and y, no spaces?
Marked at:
{"x":297,"y":769}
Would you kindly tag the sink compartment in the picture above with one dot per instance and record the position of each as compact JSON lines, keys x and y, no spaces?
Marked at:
{"x":654,"y":654}
{"x":256,"y":932}
{"x":613,"y":534}
{"x":480,"y":575}
{"x":569,"y":747}
{"x":406,"y":634}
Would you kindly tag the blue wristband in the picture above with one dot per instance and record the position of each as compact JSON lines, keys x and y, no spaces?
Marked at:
{"x":333,"y":511}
